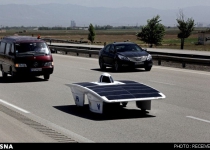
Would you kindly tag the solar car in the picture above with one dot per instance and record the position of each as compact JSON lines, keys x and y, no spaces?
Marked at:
{"x":108,"y":92}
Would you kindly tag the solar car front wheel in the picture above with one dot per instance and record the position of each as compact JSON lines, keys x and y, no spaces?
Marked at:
{"x":124,"y":104}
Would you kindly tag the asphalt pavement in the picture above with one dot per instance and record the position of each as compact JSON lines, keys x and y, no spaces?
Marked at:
{"x":13,"y":130}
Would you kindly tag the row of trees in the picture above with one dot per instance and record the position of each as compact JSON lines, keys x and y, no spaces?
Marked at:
{"x":96,"y":27}
{"x":154,"y":31}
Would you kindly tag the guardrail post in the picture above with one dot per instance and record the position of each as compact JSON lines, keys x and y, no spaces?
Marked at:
{"x":159,"y":61}
{"x":183,"y":65}
{"x":77,"y":54}
{"x":66,"y":53}
{"x":89,"y":55}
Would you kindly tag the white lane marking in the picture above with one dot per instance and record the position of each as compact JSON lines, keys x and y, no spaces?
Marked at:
{"x":2,"y":101}
{"x":198,"y":119}
{"x":186,"y":71}
{"x":162,"y":82}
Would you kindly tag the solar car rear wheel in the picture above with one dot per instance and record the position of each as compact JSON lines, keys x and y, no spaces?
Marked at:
{"x":144,"y":111}
{"x":101,"y":64}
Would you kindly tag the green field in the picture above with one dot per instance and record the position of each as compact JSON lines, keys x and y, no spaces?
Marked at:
{"x":170,"y":39}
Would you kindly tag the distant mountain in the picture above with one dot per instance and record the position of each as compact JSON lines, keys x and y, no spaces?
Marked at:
{"x":52,"y":15}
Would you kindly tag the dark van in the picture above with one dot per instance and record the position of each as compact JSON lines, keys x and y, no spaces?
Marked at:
{"x":25,"y":56}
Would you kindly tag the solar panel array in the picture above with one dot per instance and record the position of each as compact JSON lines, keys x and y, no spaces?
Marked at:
{"x":129,"y":90}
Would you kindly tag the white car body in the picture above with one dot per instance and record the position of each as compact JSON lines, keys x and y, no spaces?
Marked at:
{"x":99,"y":93}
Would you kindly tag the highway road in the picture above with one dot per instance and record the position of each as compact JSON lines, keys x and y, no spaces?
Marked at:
{"x":48,"y":106}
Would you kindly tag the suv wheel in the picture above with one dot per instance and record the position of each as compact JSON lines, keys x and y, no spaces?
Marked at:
{"x":101,"y":64}
{"x":117,"y":66}
{"x":12,"y":73}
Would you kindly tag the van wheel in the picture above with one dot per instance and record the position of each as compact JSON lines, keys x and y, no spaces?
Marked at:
{"x":147,"y":68}
{"x":46,"y":76}
{"x":4,"y":75}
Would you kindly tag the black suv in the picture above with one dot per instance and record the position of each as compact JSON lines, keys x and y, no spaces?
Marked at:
{"x":124,"y":54}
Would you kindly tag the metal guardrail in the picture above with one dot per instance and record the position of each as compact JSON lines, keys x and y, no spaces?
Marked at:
{"x":75,"y":50}
{"x":159,"y":56}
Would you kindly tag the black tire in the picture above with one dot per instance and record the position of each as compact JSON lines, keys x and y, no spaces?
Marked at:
{"x":12,"y":73}
{"x":46,"y":76}
{"x":144,"y":111}
{"x":148,"y":68}
{"x":4,"y":75}
{"x":101,"y":64}
{"x":124,"y":104}
{"x":132,"y":67}
{"x":117,"y":66}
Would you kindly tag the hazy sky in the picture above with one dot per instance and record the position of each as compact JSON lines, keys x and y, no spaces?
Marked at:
{"x":159,"y":4}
